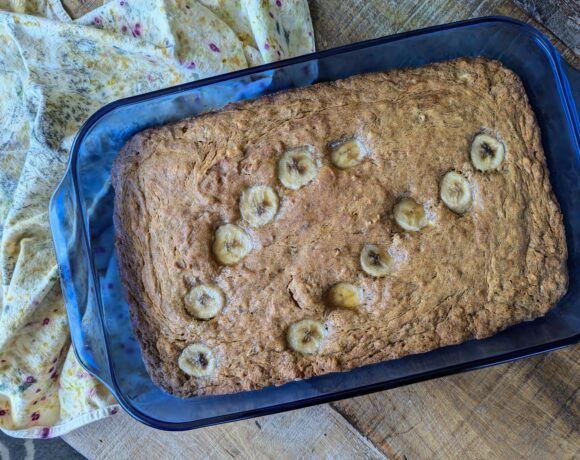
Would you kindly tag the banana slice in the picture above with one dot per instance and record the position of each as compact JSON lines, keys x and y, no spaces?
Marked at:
{"x":345,"y":295}
{"x":455,"y":192}
{"x":347,"y":154}
{"x":487,"y":152}
{"x":376,"y":261}
{"x":258,"y":205}
{"x":306,"y":336}
{"x":204,"y":301}
{"x":296,"y":168}
{"x":231,"y":244}
{"x":197,"y":360}
{"x":410,"y":215}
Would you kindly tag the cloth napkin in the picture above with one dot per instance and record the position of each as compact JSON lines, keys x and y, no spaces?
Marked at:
{"x":54,"y":73}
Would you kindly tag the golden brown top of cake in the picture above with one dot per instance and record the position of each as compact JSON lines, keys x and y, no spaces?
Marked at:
{"x":338,"y":225}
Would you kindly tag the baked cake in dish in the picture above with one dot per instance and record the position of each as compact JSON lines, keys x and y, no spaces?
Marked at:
{"x":346,"y":223}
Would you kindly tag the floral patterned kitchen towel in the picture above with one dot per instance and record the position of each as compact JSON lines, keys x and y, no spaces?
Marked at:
{"x":54,"y":73}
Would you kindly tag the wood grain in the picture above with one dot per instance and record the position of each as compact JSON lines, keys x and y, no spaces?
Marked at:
{"x":527,"y":409}
{"x":315,"y":432}
{"x":338,"y":23}
{"x":78,"y":8}
{"x":562,"y":17}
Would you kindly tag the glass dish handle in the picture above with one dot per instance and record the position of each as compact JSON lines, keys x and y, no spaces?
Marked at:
{"x":77,"y":286}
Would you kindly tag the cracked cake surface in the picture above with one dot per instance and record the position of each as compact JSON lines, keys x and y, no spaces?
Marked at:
{"x":462,"y":270}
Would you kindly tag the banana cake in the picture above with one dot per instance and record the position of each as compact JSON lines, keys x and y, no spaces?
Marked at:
{"x":329,"y":227}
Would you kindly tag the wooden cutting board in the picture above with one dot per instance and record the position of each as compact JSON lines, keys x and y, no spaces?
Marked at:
{"x":527,"y":409}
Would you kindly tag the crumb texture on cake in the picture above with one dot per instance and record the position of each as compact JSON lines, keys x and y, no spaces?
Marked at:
{"x":460,"y":277}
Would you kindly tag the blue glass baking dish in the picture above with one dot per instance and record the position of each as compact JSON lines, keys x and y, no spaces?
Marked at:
{"x":81,"y":219}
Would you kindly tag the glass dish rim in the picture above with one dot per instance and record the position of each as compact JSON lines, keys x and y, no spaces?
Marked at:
{"x":566,"y":97}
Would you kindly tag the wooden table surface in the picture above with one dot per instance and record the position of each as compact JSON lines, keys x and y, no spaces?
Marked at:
{"x":527,"y":409}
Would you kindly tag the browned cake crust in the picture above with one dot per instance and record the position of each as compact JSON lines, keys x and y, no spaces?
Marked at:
{"x":466,"y":276}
